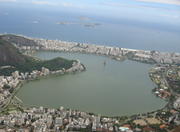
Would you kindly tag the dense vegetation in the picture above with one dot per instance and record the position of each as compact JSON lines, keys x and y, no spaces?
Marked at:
{"x":12,"y":57}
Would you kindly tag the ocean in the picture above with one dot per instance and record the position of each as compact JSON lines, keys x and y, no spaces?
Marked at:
{"x":78,"y":27}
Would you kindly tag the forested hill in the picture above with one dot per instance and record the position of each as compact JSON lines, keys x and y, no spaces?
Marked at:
{"x":11,"y":59}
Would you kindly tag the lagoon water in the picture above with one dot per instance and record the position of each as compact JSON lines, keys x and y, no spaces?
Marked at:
{"x":115,"y":89}
{"x":118,"y":88}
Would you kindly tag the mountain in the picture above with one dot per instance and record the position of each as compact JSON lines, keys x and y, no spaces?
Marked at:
{"x":19,"y":40}
{"x":9,"y":54}
{"x":11,"y":59}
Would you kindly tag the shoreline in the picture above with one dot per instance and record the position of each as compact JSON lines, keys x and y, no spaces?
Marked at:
{"x":119,"y":54}
{"x":145,"y":56}
{"x":18,"y":79}
{"x":108,"y":115}
{"x":152,"y":57}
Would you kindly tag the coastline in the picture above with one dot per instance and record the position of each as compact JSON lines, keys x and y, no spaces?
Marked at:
{"x":118,"y":53}
{"x":152,"y":57}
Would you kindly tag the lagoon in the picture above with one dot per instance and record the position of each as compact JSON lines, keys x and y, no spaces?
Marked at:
{"x":115,"y":89}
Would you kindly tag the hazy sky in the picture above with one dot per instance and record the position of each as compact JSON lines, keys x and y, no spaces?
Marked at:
{"x":167,"y":11}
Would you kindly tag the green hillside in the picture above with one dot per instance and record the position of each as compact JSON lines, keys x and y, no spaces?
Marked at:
{"x":11,"y":59}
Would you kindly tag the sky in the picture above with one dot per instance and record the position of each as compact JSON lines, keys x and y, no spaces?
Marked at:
{"x":167,"y":11}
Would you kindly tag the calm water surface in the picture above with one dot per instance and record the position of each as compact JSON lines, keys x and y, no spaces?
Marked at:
{"x":117,"y":88}
{"x":122,"y":32}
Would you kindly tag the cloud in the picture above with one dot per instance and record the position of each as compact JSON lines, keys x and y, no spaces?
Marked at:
{"x":35,"y":22}
{"x":38,"y":2}
{"x":173,"y":2}
{"x":118,"y":4}
{"x":54,"y":3}
{"x":170,"y":16}
{"x":66,"y":4}
{"x":145,"y":5}
{"x":8,"y":0}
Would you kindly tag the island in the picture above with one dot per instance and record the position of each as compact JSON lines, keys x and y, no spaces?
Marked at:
{"x":165,"y":73}
{"x":92,"y":25}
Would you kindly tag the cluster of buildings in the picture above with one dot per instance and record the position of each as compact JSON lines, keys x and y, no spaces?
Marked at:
{"x":49,"y":119}
{"x":114,"y":52}
{"x":157,"y":75}
{"x":46,"y":119}
{"x":76,"y":67}
{"x":39,"y":119}
{"x":57,"y":120}
{"x":177,"y":103}
{"x":167,"y":78}
{"x":7,"y":86}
